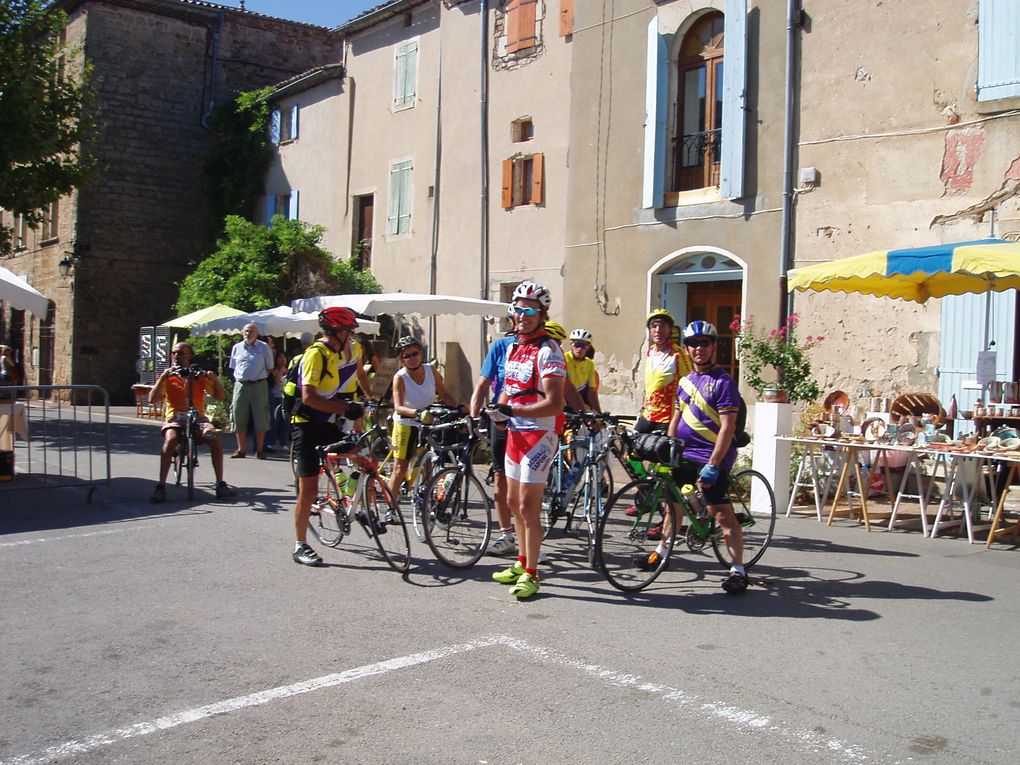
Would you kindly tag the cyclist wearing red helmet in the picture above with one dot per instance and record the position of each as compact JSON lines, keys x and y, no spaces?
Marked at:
{"x":312,"y":423}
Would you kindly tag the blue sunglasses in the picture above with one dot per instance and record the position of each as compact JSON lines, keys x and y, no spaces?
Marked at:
{"x":520,"y":311}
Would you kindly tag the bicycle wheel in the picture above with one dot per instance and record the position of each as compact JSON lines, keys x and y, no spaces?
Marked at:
{"x":386,"y":524}
{"x":622,"y":547}
{"x":554,"y":509}
{"x":192,"y":452}
{"x":458,"y":518}
{"x":755,"y":505}
{"x":329,"y":521}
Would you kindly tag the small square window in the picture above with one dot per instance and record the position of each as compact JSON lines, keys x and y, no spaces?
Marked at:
{"x":523,"y":129}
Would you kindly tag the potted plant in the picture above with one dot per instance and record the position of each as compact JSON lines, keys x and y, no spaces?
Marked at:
{"x":780,"y":351}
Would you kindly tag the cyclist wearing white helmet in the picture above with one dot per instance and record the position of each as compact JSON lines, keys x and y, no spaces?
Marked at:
{"x":705,"y":417}
{"x":531,"y":400}
{"x":581,"y":369}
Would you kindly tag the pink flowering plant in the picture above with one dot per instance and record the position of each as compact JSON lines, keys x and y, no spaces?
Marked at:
{"x":781,"y":351}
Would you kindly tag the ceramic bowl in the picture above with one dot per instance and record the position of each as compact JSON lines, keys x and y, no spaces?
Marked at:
{"x":989,"y":442}
{"x":1005,"y":433}
{"x":1010,"y":444}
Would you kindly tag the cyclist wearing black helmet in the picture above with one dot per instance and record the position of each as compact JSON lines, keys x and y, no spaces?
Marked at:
{"x":312,"y":421}
{"x":705,"y":417}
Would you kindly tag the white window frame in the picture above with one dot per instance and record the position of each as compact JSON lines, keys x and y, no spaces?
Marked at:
{"x":405,"y":75}
{"x":401,"y":196}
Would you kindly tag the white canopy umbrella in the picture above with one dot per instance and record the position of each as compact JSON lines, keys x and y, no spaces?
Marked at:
{"x":21,"y":295}
{"x":404,"y":302}
{"x":273,"y":321}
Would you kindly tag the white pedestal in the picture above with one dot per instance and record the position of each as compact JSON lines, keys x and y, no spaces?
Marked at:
{"x":772,"y":457}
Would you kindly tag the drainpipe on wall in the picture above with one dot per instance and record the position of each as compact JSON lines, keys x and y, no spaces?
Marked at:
{"x":786,"y":232}
{"x":212,"y":76}
{"x":483,"y":90}
{"x":434,"y":257}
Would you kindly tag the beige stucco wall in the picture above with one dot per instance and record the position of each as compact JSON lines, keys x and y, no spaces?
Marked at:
{"x":880,"y":190}
{"x":615,"y":247}
{"x":313,"y":163}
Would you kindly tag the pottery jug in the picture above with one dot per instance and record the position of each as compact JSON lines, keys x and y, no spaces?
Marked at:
{"x":995,"y":392}
{"x":1011,"y":392}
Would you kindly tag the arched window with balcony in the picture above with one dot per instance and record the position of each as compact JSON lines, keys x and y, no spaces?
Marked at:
{"x":699,"y":117}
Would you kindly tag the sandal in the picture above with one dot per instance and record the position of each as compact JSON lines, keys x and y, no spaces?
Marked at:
{"x":238,"y":456}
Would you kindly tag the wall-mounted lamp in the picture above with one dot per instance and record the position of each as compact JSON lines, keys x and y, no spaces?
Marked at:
{"x":65,"y":266}
{"x":72,"y":260}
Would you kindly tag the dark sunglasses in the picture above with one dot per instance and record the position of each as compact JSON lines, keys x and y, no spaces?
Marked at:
{"x":579,"y":343}
{"x":703,"y":343}
{"x":411,"y":355}
{"x":521,"y":311}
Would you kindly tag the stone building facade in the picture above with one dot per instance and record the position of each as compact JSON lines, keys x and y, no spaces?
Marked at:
{"x":137,"y":228}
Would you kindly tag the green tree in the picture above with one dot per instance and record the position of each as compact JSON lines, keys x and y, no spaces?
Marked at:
{"x":236,"y":165}
{"x":44,"y":112}
{"x":256,"y":267}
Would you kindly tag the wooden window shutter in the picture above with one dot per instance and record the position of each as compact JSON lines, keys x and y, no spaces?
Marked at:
{"x":537,"y":181}
{"x":527,"y":18}
{"x":566,"y":17}
{"x":508,"y":183}
{"x":512,"y":25}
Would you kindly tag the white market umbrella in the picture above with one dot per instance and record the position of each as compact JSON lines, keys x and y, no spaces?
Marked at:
{"x":404,"y":302}
{"x":273,"y":321}
{"x":21,"y":295}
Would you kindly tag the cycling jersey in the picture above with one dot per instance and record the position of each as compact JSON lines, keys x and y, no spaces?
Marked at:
{"x":322,"y":371}
{"x":527,"y":364}
{"x":348,"y":366}
{"x":582,"y":374}
{"x":663,"y":369}
{"x":492,"y":367}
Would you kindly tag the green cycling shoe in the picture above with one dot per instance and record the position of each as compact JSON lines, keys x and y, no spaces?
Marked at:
{"x":509,"y":575}
{"x":526,"y":587}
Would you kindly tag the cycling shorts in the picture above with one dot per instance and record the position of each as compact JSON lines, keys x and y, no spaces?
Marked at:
{"x":497,"y":439}
{"x":405,"y":438}
{"x":716,"y":494}
{"x":305,"y":438}
{"x":644,"y":425}
{"x":529,"y":453}
{"x":179,"y":421}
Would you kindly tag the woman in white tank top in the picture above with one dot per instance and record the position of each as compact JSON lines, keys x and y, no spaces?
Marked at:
{"x":415,"y":386}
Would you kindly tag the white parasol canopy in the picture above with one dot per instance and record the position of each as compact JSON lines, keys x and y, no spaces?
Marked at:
{"x":21,"y":295}
{"x":404,"y":302}
{"x":273,"y":321}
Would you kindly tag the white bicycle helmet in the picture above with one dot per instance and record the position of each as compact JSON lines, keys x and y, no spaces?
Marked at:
{"x":532,"y":291}
{"x":580,"y":334}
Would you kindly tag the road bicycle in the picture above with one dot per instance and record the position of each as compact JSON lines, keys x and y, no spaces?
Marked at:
{"x":431,"y":454}
{"x":578,"y":491}
{"x":184,"y":460}
{"x":622,"y":543}
{"x":456,"y":515}
{"x":354,"y":460}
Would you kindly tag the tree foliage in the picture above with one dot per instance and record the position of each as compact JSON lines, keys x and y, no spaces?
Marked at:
{"x":256,"y":267}
{"x":236,"y":165}
{"x":45,"y":108}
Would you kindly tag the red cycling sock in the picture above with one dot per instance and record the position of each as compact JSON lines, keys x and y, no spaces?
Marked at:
{"x":533,"y":572}
{"x":522,"y":560}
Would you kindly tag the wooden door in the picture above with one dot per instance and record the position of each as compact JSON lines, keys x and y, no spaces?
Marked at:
{"x":718,"y":303}
{"x":364,"y":212}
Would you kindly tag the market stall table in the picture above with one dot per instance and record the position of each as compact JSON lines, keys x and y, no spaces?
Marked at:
{"x":1000,"y":527}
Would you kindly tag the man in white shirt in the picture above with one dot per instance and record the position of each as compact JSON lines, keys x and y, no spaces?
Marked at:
{"x":251,"y":361}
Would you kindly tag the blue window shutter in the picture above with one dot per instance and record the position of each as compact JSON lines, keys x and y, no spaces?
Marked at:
{"x":393,"y":211}
{"x":656,"y":78}
{"x":274,"y":127}
{"x":998,"y":49}
{"x":734,"y":116}
{"x":292,"y":213}
{"x":294,"y":122}
{"x":270,"y":208}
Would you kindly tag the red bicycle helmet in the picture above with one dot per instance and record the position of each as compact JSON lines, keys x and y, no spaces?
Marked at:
{"x":337,"y":318}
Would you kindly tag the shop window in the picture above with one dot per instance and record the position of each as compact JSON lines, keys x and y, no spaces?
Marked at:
{"x":523,"y":181}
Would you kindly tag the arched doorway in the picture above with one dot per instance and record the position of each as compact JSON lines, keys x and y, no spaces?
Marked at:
{"x":706,"y":284}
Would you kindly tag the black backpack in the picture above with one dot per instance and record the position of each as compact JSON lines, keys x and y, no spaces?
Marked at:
{"x":741,"y":437}
{"x":292,"y":382}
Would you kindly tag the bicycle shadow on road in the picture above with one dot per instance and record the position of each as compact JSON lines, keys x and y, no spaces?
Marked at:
{"x":808,"y":544}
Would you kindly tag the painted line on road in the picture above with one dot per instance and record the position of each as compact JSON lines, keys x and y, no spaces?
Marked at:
{"x":746,"y":719}
{"x":37,"y":540}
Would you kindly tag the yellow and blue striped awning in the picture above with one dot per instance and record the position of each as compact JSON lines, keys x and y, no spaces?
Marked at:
{"x":917,"y":273}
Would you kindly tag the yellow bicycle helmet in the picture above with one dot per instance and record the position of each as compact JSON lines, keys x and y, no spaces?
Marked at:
{"x":555,"y":331}
{"x":660,"y":313}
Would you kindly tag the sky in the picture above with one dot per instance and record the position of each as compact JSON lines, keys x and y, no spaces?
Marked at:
{"x":325,"y":13}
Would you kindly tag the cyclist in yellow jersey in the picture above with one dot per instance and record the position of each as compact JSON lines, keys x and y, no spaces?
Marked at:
{"x":665,"y":364}
{"x":312,"y":426}
{"x":581,"y":369}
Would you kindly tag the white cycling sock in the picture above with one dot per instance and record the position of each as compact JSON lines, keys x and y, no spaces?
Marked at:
{"x":735,"y":569}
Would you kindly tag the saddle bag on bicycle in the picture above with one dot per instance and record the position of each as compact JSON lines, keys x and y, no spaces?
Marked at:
{"x":654,"y":447}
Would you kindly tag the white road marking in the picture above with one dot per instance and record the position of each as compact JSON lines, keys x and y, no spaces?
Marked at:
{"x":37,"y":540}
{"x":747,"y":719}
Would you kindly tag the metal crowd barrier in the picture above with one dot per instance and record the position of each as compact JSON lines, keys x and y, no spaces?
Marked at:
{"x":57,"y":436}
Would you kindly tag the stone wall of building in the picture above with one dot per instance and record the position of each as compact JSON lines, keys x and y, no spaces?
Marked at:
{"x":158,"y":65}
